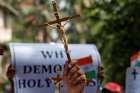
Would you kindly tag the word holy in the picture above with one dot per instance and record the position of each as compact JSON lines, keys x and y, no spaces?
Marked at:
{"x":41,"y":83}
{"x":34,"y":83}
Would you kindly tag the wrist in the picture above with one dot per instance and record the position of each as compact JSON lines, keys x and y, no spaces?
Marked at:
{"x":75,"y":92}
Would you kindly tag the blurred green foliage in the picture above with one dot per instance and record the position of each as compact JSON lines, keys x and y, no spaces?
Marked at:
{"x":113,"y":25}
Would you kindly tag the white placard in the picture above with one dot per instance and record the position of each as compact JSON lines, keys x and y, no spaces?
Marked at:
{"x":34,"y":63}
{"x":133,"y":80}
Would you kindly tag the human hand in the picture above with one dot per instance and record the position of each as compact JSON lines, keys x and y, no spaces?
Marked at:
{"x":74,"y":79}
{"x":10,"y":73}
{"x":101,"y":73}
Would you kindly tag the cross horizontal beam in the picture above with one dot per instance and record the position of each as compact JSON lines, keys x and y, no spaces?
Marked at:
{"x":59,"y":20}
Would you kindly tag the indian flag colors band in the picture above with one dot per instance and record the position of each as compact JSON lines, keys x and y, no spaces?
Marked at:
{"x":135,"y":59}
{"x":137,"y":64}
{"x":90,"y":75}
{"x":86,"y":64}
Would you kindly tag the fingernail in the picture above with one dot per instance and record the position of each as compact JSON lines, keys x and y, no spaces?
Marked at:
{"x":69,"y":65}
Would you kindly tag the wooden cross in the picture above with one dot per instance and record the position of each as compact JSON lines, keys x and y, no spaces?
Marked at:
{"x":57,"y":81}
{"x":60,"y":27}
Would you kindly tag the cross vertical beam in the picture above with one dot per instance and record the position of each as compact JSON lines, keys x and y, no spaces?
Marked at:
{"x":55,"y":11}
{"x":63,"y":38}
{"x":57,"y":81}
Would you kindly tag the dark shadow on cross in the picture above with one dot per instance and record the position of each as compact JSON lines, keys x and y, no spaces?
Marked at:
{"x":134,"y":73}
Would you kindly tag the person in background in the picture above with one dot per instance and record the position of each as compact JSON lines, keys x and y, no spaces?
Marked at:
{"x":112,"y":87}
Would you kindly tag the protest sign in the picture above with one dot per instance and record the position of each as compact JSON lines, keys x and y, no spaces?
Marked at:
{"x":35,"y":63}
{"x":133,"y":80}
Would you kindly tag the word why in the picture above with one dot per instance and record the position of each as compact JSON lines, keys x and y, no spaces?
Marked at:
{"x":52,"y":54}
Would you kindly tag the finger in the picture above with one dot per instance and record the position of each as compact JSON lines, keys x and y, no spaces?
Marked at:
{"x":101,"y":75}
{"x":79,"y":82}
{"x":65,"y":72}
{"x":101,"y":67}
{"x":101,"y":72}
{"x":13,"y":71}
{"x":74,"y":70}
{"x":10,"y":72}
{"x":70,"y":65}
{"x":75,"y":75}
{"x":80,"y":79}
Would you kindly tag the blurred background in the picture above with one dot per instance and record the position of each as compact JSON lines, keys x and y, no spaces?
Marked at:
{"x":112,"y":25}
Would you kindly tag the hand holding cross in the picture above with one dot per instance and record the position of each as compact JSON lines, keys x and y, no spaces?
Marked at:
{"x":61,"y":31}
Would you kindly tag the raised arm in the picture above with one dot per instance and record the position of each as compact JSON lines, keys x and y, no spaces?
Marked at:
{"x":74,"y":79}
{"x":10,"y":75}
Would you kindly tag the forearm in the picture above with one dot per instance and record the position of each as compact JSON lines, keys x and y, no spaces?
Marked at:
{"x":12,"y":86}
{"x":73,"y":91}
